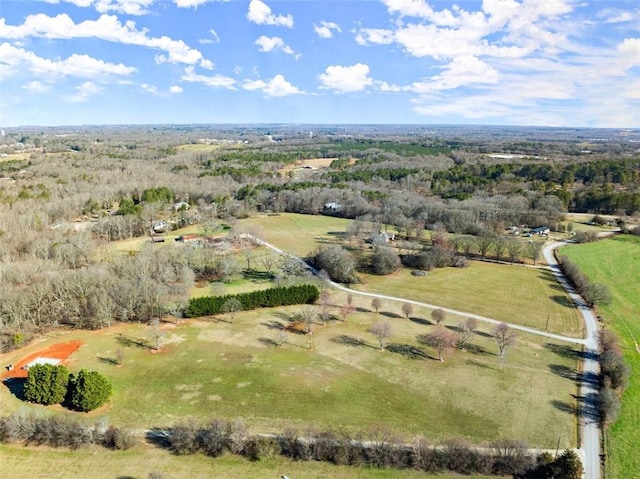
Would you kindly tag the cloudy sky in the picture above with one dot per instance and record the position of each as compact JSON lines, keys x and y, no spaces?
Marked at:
{"x":504,"y":62}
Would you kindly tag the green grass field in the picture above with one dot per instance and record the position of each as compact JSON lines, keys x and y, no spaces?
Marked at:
{"x":221,"y":369}
{"x":99,"y":463}
{"x":511,"y":293}
{"x":299,"y":234}
{"x":616,"y":263}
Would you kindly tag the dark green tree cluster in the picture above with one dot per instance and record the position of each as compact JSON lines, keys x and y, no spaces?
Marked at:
{"x":89,"y":390}
{"x":46,"y":384}
{"x":268,"y":298}
{"x":53,"y":384}
{"x":161,"y":194}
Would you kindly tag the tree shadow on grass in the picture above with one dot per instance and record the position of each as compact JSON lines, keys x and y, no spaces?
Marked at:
{"x":258,"y":276}
{"x":421,"y":321}
{"x":106,"y":360}
{"x":350,"y":341}
{"x":482,"y":365}
{"x":563,"y":301}
{"x":277,"y":325}
{"x":483,"y":334}
{"x":389,"y":314}
{"x":270,"y":342}
{"x":566,"y":351}
{"x":15,"y":387}
{"x":408,"y":351}
{"x":564,"y":406}
{"x":130,"y":341}
{"x":475,"y":349}
{"x":564,"y":372}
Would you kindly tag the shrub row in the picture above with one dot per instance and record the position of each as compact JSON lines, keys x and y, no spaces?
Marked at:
{"x":54,"y":431}
{"x":268,"y":298}
{"x":379,"y":449}
{"x":614,"y":376}
{"x":593,"y":293}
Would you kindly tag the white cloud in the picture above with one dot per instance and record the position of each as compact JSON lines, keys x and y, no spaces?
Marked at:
{"x":614,"y":15}
{"x":267,"y":44}
{"x":127,"y":7}
{"x":215,"y":39}
{"x":84,"y":91}
{"x":374,"y":35}
{"x":190,"y":3}
{"x":175,"y":89}
{"x":216,"y":81}
{"x":346,"y":79}
{"x":275,"y":87}
{"x":149,"y":88}
{"x":206,"y":64}
{"x":36,"y":87}
{"x":630,"y":49}
{"x":462,"y":71}
{"x":260,"y":14}
{"x":107,"y":28}
{"x":325,"y":29}
{"x":80,"y":66}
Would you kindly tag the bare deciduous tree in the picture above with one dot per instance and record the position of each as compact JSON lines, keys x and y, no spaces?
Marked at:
{"x":307,"y":315}
{"x":325,"y":298}
{"x":441,"y":339}
{"x":407,"y":310}
{"x":376,"y":304}
{"x":155,"y":332}
{"x":438,"y":315}
{"x":465,"y":331}
{"x":382,"y":330}
{"x":504,"y":336}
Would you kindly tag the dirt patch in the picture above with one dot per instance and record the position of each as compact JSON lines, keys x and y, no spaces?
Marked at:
{"x":60,"y":351}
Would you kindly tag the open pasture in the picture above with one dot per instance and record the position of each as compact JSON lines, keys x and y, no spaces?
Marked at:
{"x":335,"y":378}
{"x":616,"y":262}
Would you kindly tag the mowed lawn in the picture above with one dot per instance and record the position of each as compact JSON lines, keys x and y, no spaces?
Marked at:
{"x":511,"y":293}
{"x":299,"y":234}
{"x":212,"y":368}
{"x":616,"y":263}
{"x":99,"y":463}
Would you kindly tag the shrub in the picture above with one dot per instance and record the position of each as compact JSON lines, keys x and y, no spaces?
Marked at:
{"x":46,"y":384}
{"x":119,"y":439}
{"x":385,"y":261}
{"x":89,"y":390}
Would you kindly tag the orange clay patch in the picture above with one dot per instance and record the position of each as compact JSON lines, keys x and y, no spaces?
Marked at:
{"x":59,"y":351}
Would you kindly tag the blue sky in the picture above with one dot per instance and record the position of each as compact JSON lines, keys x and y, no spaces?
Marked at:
{"x":498,"y":62}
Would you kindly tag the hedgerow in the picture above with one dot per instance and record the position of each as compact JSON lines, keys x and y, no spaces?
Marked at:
{"x":268,"y":298}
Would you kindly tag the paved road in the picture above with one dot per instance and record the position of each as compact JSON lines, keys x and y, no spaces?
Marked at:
{"x":589,"y":418}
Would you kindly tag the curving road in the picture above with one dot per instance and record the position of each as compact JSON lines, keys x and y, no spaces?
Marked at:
{"x":589,"y":417}
{"x":588,"y":410}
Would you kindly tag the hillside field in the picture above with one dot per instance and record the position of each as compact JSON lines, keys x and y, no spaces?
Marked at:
{"x":616,"y":263}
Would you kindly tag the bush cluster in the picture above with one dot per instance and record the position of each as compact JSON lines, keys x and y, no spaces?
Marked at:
{"x":268,"y":298}
{"x":52,"y":384}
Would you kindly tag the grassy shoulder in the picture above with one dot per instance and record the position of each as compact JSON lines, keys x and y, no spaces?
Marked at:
{"x":27,"y":463}
{"x":233,"y":369}
{"x":614,"y":262}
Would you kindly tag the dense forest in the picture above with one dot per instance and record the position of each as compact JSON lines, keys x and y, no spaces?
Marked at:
{"x":66,"y":191}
